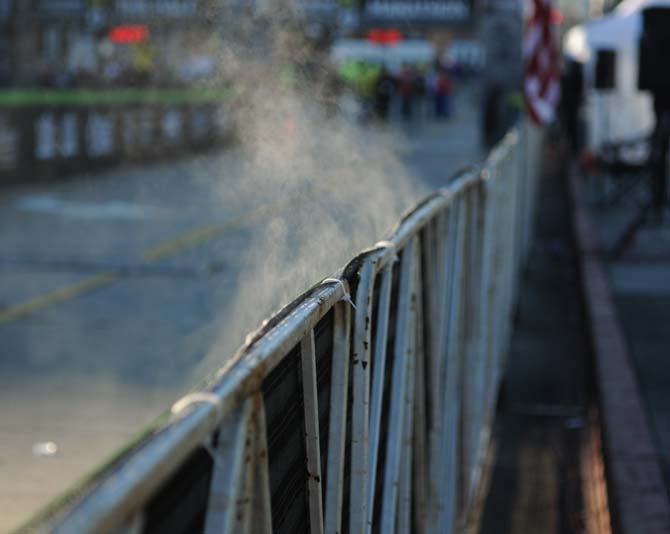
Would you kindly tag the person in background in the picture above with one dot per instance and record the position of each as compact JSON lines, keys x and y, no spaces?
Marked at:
{"x":366,"y":88}
{"x":443,"y":90}
{"x":419,"y":92}
{"x":384,"y":88}
{"x":431,"y":87}
{"x":572,"y":82}
{"x":406,"y":92}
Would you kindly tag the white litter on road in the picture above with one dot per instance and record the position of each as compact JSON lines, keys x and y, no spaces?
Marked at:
{"x":45,"y":449}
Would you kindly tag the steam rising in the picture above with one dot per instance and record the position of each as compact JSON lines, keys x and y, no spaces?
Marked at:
{"x":337,"y":186}
{"x":309,"y":187}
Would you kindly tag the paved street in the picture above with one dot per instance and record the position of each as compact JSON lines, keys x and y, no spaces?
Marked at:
{"x":121,"y":291}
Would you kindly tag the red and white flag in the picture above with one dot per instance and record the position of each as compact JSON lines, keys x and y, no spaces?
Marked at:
{"x":542,"y":89}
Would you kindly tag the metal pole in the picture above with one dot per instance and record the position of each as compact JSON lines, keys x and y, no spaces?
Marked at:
{"x":311,"y":405}
{"x":337,"y":430}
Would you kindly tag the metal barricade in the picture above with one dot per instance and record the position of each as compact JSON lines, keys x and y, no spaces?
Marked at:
{"x":57,"y":139}
{"x":365,"y":405}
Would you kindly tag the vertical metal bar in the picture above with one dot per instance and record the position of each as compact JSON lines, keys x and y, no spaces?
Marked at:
{"x":228,"y":471}
{"x":499,"y":318}
{"x":488,"y":305}
{"x":398,"y":391}
{"x":361,"y":399}
{"x":524,"y":149}
{"x":520,"y":212}
{"x":381,"y":340}
{"x":339,"y":387}
{"x":527,"y":152}
{"x":451,"y":405}
{"x":430,"y":234}
{"x":469,"y":335}
{"x":435,"y":236}
{"x":245,"y":502}
{"x":444,"y":237}
{"x":445,"y":265}
{"x":421,"y":467}
{"x":417,"y":432}
{"x":508,"y":273}
{"x":311,"y":405}
{"x":261,"y":506}
{"x":497,"y":315}
{"x":473,"y":391}
{"x":445,"y":231}
{"x":431,"y":291}
{"x":134,"y":526}
{"x":253,"y":512}
{"x":405,"y":476}
{"x":442,"y":295}
{"x":519,"y":183}
{"x":486,"y":210}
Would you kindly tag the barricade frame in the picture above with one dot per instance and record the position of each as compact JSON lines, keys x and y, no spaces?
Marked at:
{"x":457,"y":257}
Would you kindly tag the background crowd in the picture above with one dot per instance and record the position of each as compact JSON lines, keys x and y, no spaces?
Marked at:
{"x":414,"y":91}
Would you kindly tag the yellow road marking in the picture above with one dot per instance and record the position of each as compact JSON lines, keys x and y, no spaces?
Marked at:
{"x":180,"y":242}
{"x":193,"y":238}
{"x":59,"y":295}
{"x":171,"y":247}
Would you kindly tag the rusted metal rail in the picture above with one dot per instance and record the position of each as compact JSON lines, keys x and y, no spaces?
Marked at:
{"x":363,"y":406}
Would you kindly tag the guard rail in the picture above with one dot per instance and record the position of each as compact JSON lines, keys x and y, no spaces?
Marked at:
{"x":363,"y":406}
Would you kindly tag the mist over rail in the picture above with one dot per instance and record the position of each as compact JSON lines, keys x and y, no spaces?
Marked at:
{"x":364,"y":405}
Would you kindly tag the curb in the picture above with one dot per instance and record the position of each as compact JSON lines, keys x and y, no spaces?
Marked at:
{"x":637,"y":494}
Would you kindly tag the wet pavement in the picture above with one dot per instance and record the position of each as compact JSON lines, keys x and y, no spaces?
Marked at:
{"x":536,"y":476}
{"x":122,"y":290}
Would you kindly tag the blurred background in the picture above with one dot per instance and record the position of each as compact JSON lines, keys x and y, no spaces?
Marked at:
{"x":173,"y":171}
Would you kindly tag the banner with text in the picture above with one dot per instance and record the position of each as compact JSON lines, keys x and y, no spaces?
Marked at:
{"x":417,"y":12}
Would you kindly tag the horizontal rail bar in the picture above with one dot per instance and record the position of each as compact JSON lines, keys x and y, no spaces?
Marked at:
{"x":140,"y":475}
{"x":397,"y":415}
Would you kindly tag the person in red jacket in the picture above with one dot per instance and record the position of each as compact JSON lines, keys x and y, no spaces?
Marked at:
{"x":406,"y":91}
{"x":443,"y":91}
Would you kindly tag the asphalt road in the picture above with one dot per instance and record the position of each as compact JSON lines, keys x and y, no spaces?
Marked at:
{"x":121,"y":291}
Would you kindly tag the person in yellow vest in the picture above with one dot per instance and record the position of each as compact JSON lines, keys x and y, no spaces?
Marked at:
{"x":143,"y":55}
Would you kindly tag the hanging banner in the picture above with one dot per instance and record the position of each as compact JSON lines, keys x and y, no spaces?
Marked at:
{"x":417,"y":12}
{"x":49,"y":8}
{"x":541,"y":85}
{"x":167,"y":9}
{"x":319,"y":10}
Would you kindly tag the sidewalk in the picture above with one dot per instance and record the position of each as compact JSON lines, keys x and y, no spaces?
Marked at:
{"x":636,"y":254}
